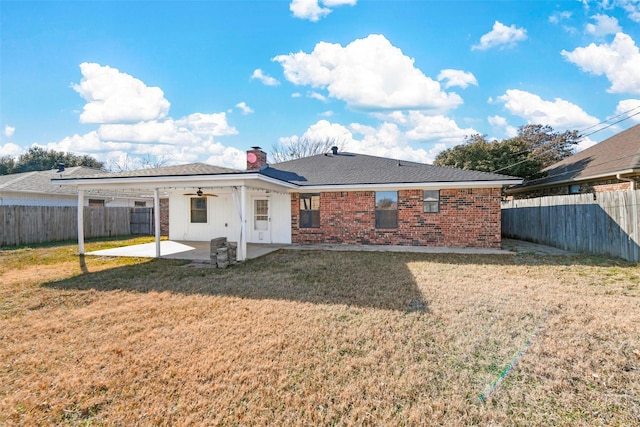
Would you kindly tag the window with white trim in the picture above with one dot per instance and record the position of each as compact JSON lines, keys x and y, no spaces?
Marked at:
{"x":431,"y":201}
{"x":309,"y":210}
{"x":198,"y":209}
{"x":386,"y":209}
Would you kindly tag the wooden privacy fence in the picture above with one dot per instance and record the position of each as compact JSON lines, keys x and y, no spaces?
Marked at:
{"x":21,"y":225}
{"x":603,"y":224}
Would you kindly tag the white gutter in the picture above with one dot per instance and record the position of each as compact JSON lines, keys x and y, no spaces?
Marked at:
{"x":633,"y":182}
{"x":150,"y":182}
{"x":407,"y":186}
{"x":529,"y":187}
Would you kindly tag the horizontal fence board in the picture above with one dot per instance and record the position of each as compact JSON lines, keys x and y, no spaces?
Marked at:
{"x":601,"y":224}
{"x":20,"y":225}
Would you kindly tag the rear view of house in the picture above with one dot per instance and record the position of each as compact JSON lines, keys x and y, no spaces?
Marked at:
{"x":331,"y":198}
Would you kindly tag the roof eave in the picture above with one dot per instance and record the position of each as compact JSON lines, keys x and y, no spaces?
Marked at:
{"x":408,"y":185}
{"x":149,"y":182}
{"x":526,"y":187}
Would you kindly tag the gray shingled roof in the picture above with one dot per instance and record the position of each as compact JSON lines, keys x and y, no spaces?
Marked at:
{"x":40,"y":181}
{"x":191,"y":169}
{"x":617,"y":154}
{"x":353,"y":169}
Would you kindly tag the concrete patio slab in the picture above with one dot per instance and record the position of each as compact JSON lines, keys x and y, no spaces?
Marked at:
{"x":199,"y":251}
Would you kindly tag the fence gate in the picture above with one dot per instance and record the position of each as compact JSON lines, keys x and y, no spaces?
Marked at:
{"x":142,"y":221}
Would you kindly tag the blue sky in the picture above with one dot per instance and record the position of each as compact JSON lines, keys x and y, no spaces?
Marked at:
{"x":202,"y":81}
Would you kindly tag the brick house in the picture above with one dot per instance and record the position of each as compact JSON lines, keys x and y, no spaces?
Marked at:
{"x":331,"y":198}
{"x":611,"y":165}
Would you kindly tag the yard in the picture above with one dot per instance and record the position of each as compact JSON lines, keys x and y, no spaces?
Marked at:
{"x":318,"y":338}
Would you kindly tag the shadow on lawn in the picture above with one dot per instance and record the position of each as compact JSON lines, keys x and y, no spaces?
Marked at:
{"x":364,"y":279}
{"x":368,"y":280}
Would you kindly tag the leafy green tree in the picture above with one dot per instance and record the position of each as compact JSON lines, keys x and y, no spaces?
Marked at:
{"x":526,"y":155}
{"x":7,"y":165}
{"x":40,"y":159}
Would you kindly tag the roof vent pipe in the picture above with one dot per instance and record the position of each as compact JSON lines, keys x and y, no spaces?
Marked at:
{"x":334,"y":150}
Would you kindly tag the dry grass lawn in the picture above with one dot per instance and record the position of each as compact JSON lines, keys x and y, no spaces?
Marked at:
{"x":318,"y":338}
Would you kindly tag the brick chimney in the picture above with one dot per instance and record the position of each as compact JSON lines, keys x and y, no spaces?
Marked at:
{"x":256,"y":158}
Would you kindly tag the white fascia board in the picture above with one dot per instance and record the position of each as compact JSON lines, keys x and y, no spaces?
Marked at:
{"x":406,"y":186}
{"x":180,"y":181}
{"x":572,"y":181}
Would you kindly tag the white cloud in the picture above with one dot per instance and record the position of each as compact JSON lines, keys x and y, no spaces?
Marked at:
{"x":585,"y":143}
{"x":603,"y":26}
{"x":368,"y":73}
{"x":296,"y":95}
{"x":632,"y":7}
{"x":334,"y":3}
{"x":630,"y":108}
{"x":501,"y":36}
{"x":327,"y":113}
{"x":557,"y":17}
{"x":10,"y":149}
{"x":188,"y":139}
{"x":311,"y":10}
{"x":457,"y":78}
{"x":392,"y":137}
{"x":193,"y":129}
{"x":264,"y":78}
{"x":115,"y":97}
{"x":318,"y":96}
{"x":501,"y":123}
{"x":9,"y":131}
{"x":559,"y":114}
{"x":434,"y":129}
{"x":308,"y":9}
{"x":619,"y":61}
{"x":244,"y":108}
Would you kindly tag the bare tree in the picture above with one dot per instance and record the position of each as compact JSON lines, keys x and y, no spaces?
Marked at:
{"x":303,"y":147}
{"x":128,"y":163}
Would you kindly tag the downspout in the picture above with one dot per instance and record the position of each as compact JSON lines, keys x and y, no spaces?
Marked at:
{"x":634,"y":185}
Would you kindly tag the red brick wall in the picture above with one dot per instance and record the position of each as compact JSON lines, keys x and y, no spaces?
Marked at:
{"x":618,"y":186}
{"x":164,"y":217}
{"x":467,"y":218}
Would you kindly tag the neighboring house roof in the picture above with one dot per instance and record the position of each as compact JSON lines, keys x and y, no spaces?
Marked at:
{"x":355,"y":169}
{"x":40,"y":181}
{"x":619,"y":154}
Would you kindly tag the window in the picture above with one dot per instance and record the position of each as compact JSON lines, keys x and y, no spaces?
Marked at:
{"x":309,"y":211}
{"x":386,"y":209}
{"x":574,"y":189}
{"x":140,"y":204}
{"x":96,"y":202}
{"x":198,"y":209}
{"x":431,"y":201}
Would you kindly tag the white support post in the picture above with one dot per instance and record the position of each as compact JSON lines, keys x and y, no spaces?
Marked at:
{"x":242,"y":244}
{"x":80,"y":222}
{"x":156,"y":217}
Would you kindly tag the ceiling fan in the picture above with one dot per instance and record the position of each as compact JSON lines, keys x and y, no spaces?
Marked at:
{"x":200,"y":193}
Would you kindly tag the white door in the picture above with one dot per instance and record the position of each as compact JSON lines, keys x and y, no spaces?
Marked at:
{"x":261,"y":221}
